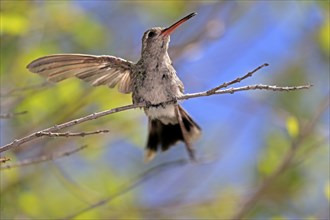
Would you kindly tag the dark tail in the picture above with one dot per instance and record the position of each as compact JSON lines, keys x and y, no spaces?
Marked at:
{"x":163,"y":136}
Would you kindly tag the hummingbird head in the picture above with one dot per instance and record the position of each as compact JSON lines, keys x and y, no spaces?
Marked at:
{"x":155,"y":41}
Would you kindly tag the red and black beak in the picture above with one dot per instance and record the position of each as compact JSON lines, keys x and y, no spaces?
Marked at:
{"x":169,"y":30}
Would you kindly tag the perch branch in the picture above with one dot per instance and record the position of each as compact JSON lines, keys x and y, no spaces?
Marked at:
{"x":70,"y":134}
{"x":210,"y":92}
{"x":54,"y":128}
{"x":42,"y":158}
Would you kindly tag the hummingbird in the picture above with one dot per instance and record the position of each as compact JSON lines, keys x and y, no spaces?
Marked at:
{"x":152,"y":81}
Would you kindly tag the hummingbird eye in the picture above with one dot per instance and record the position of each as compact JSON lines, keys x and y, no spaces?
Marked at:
{"x":151,"y":34}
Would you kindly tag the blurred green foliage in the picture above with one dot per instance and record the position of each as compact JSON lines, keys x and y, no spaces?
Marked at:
{"x":270,"y":159}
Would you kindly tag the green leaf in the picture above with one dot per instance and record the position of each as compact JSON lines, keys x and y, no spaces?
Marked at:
{"x":292,"y":126}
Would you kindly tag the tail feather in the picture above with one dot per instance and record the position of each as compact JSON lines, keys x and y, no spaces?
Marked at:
{"x":169,"y":135}
{"x":190,"y":125}
{"x":163,"y":136}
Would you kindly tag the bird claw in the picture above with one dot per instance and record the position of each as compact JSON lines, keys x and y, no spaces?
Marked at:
{"x":147,"y":103}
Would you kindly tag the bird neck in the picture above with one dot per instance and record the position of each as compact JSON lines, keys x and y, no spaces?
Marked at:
{"x":156,"y":60}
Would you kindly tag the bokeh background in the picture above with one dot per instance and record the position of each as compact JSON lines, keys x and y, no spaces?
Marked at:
{"x":266,"y":154}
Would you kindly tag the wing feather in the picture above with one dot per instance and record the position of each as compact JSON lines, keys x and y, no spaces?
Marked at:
{"x":124,"y":85}
{"x":97,"y":70}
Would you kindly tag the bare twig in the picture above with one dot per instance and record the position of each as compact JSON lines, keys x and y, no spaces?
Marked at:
{"x":93,"y":116}
{"x":137,"y":181}
{"x":239,"y":79}
{"x":10,"y":115}
{"x":70,"y":134}
{"x":244,"y":88}
{"x":308,"y":150}
{"x":25,"y":88}
{"x":318,"y":113}
{"x":73,"y":186}
{"x":42,"y":158}
{"x":285,"y":163}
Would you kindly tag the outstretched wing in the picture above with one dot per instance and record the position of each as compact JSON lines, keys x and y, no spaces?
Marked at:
{"x":97,"y":70}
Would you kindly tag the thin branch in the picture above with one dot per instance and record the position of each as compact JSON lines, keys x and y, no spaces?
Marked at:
{"x":74,"y":187}
{"x":284,"y":164}
{"x":93,"y":116}
{"x":239,"y":79}
{"x":10,"y":115}
{"x":25,"y":88}
{"x":244,"y":88}
{"x":137,"y":181}
{"x":308,"y":151}
{"x":70,"y":134}
{"x":318,"y":114}
{"x":42,"y":158}
{"x":71,"y":123}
